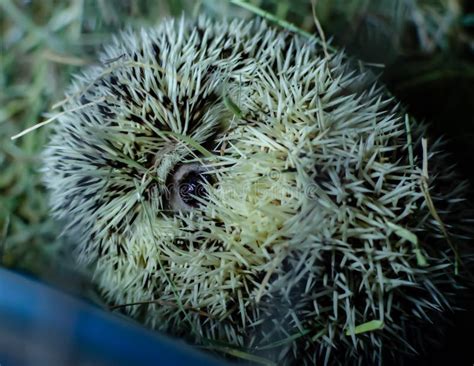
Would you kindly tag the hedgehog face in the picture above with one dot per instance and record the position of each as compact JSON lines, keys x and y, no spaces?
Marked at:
{"x":249,"y":190}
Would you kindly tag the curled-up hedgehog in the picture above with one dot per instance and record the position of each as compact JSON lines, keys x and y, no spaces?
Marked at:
{"x":236,"y":185}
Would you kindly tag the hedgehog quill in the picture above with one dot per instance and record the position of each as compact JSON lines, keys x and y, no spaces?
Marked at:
{"x":245,"y":188}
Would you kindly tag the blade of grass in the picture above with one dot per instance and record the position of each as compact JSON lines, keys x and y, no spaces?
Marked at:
{"x":409,"y":141}
{"x":412,"y":238}
{"x":366,"y":327}
{"x":242,"y":355}
{"x":266,"y":15}
{"x":431,"y":206}
{"x":282,"y":342}
{"x":52,"y":119}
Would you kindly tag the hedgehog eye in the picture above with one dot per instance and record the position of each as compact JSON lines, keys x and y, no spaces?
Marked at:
{"x":187,"y":187}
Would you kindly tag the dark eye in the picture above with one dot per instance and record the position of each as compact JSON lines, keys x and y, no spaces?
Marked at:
{"x":188,"y":185}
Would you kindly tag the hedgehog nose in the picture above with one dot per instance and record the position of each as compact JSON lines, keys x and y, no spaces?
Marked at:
{"x":188,"y":187}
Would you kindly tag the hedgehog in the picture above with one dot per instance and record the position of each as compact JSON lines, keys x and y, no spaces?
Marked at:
{"x":245,"y":188}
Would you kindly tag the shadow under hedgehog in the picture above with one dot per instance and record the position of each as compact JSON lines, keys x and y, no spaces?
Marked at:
{"x":252,"y":191}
